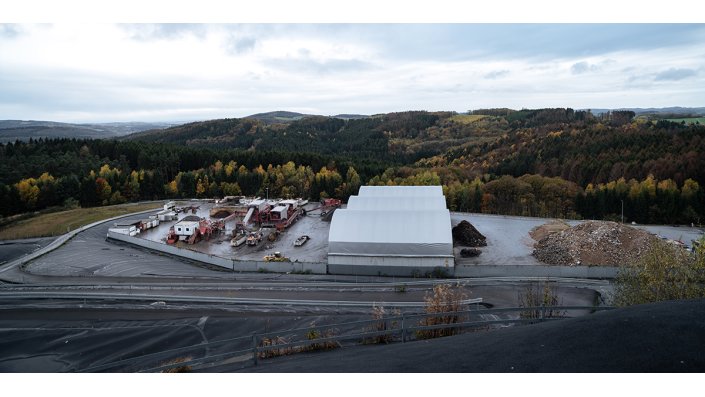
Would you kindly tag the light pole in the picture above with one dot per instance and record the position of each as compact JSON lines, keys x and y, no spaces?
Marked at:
{"x":267,"y":189}
{"x":622,"y":211}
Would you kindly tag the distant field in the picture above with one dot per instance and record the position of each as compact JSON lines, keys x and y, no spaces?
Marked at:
{"x":467,"y":118}
{"x":58,"y":223}
{"x":691,"y":120}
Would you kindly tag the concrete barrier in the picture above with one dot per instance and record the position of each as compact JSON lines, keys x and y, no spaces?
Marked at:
{"x":599,"y":272}
{"x":226,"y":263}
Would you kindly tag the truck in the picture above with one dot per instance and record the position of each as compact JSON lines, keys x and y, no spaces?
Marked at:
{"x":254,"y":238}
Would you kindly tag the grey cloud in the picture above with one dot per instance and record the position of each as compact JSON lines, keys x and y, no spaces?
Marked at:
{"x":583,"y":67}
{"x":9,"y":31}
{"x":674,"y":74}
{"x":308,"y":65}
{"x":165,"y":31}
{"x":496,"y":74}
{"x":240,"y":45}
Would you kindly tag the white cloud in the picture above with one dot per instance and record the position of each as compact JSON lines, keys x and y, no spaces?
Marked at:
{"x":106,"y":72}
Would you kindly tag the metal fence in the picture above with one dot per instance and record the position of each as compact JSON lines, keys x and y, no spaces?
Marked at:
{"x":244,"y":351}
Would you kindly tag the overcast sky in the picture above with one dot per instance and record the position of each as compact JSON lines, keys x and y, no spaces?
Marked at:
{"x":112,"y":72}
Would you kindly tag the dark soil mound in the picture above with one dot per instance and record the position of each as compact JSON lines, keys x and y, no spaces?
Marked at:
{"x":466,"y":234}
{"x":469,"y":252}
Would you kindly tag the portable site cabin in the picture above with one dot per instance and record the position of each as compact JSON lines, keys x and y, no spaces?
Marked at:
{"x":392,"y":230}
{"x":166,"y":216}
{"x":186,"y":227}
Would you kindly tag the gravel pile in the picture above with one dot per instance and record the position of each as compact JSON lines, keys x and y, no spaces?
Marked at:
{"x":594,"y":243}
{"x":466,"y":234}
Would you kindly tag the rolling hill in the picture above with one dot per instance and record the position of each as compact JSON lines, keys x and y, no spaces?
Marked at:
{"x":23,"y":130}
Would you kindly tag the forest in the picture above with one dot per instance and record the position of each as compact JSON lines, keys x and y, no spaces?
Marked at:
{"x":544,"y":162}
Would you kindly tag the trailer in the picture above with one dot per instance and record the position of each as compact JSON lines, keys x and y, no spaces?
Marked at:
{"x":238,"y":240}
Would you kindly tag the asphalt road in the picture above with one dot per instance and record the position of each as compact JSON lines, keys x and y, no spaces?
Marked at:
{"x":13,"y":249}
{"x":658,"y":337}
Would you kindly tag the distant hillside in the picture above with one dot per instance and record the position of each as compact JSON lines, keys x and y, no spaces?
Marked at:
{"x":350,"y":116}
{"x":23,"y":130}
{"x":285,"y":117}
{"x":278,"y":116}
{"x":669,"y":111}
{"x":307,"y":134}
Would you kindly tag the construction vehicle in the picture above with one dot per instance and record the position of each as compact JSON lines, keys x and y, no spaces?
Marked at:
{"x":254,"y":238}
{"x":276,"y":257}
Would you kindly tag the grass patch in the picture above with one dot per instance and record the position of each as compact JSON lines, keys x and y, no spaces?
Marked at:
{"x":57,"y":223}
{"x":467,"y":118}
{"x":689,"y":120}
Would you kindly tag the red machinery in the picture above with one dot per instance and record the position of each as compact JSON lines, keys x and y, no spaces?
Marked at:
{"x":172,"y":237}
{"x":326,"y":205}
{"x":206,"y":229}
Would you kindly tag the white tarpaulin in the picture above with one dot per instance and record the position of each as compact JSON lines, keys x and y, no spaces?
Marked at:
{"x":381,"y":203}
{"x":401,"y":191}
{"x":390,"y":233}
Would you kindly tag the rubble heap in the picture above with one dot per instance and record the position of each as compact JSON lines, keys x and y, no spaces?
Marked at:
{"x":551,"y":227}
{"x":594,"y":243}
{"x":466,"y":234}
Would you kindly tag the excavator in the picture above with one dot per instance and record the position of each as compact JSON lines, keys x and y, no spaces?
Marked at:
{"x":276,"y":257}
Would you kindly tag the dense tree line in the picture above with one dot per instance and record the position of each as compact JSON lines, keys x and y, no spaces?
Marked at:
{"x":40,"y":174}
{"x":544,"y":162}
{"x":647,"y":201}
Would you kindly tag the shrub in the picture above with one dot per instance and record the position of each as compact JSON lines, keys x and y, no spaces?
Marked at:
{"x":539,"y":297}
{"x":665,"y":272}
{"x":446,"y":299}
{"x":381,"y":324}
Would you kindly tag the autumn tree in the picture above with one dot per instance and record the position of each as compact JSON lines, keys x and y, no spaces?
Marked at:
{"x":665,"y":272}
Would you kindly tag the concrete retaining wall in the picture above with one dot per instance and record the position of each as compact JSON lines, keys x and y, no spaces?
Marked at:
{"x":597,"y":272}
{"x":398,"y":271}
{"x":231,"y":264}
{"x":601,"y":272}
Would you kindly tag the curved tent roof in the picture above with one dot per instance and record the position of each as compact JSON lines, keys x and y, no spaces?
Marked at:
{"x":382,"y":203}
{"x":401,"y":191}
{"x":391,"y":233}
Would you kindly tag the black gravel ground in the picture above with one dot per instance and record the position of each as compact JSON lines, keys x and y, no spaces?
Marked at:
{"x":658,"y":337}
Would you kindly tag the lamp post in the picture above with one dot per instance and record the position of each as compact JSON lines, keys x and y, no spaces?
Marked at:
{"x":267,"y":189}
{"x":622,"y":211}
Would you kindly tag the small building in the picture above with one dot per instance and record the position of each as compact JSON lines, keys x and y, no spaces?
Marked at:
{"x":187,"y":226}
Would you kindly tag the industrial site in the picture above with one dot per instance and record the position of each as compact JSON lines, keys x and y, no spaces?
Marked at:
{"x":386,"y":231}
